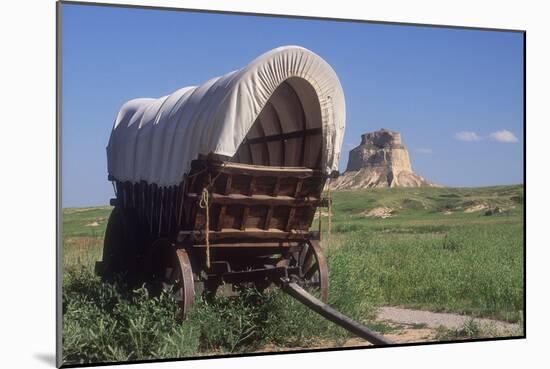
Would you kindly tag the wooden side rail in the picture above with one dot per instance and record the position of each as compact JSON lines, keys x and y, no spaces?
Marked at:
{"x":197,"y":237}
{"x":244,"y":196}
{"x":284,"y":136}
{"x":255,"y":245}
{"x":261,"y":170}
{"x":238,"y":199}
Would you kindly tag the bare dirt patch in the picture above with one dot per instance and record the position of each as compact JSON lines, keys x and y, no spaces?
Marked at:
{"x":378,"y":212}
{"x":406,"y":334}
{"x":324,"y":213}
{"x":411,"y":334}
{"x":476,"y":208}
{"x":83,"y":241}
{"x":436,"y":320}
{"x":401,"y":334}
{"x":408,"y":326}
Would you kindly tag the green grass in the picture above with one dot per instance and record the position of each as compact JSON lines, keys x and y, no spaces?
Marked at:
{"x":77,"y":222}
{"x":461,"y":262}
{"x":430,"y":254}
{"x":474,"y":330}
{"x":105,"y":323}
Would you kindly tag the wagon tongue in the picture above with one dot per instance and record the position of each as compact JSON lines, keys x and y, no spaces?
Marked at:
{"x":294,"y":290}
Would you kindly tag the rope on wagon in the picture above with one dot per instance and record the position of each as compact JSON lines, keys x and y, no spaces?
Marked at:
{"x":329,"y":215}
{"x":320,"y":223}
{"x":204,"y":205}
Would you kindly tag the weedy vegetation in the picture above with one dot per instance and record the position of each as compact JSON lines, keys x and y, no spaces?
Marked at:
{"x":472,"y":329}
{"x":433,"y":253}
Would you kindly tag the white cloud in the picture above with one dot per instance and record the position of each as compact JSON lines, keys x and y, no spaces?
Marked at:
{"x":467,"y":136}
{"x":423,"y":150}
{"x":504,"y":136}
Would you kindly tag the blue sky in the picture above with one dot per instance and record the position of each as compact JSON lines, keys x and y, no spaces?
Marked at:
{"x":455,"y":95}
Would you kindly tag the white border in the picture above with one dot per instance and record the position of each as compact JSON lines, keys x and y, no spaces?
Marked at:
{"x":28,"y":263}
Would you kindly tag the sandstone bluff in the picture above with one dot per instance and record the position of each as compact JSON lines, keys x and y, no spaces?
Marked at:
{"x":381,"y":160}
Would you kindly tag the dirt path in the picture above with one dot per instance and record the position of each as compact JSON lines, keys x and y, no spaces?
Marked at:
{"x":435,"y":320}
{"x":408,"y":325}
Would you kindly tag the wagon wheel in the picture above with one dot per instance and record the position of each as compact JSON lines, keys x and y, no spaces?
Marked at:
{"x":313,"y":271}
{"x":119,"y":246}
{"x":170,"y":270}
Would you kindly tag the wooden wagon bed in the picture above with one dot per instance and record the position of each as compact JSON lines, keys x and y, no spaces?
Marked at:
{"x":251,"y":201}
{"x":228,"y":223}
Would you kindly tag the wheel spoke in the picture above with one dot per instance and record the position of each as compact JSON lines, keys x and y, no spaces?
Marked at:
{"x":306,"y":255}
{"x":314,"y":268}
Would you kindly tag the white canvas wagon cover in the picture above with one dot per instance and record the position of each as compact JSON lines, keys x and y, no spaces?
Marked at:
{"x":155,"y":140}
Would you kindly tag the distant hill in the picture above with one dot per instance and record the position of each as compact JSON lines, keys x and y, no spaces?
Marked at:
{"x":381,"y":160}
{"x":449,"y":202}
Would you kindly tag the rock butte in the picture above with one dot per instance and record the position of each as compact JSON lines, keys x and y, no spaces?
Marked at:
{"x":381,"y":160}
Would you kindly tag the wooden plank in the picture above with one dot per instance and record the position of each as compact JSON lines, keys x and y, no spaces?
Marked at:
{"x":228,"y":184}
{"x":252,"y":187}
{"x":268,"y":217}
{"x":298,"y":188}
{"x":180,"y":202}
{"x":221,"y":215}
{"x":238,"y":199}
{"x":284,"y":136}
{"x":249,"y":233}
{"x":244,"y":218}
{"x":241,"y":245}
{"x":276,"y":187}
{"x":246,"y":210}
{"x":262,"y":170}
{"x":290,"y":222}
{"x":270,"y":210}
{"x":297,"y":170}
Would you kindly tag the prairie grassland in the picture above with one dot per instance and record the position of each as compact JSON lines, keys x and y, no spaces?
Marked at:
{"x":437,"y":251}
{"x":431,"y":254}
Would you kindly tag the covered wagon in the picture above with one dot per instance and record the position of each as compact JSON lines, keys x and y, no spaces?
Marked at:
{"x":219,"y":183}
